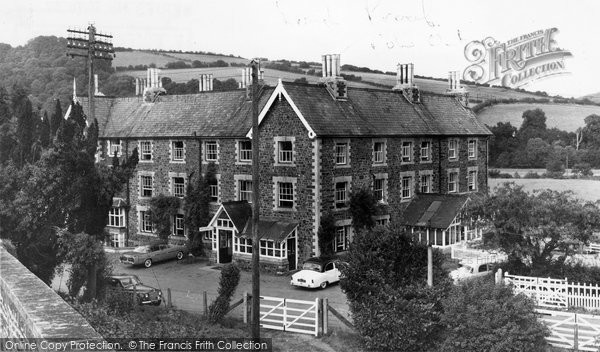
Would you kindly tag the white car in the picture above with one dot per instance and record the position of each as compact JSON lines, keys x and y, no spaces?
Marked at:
{"x":471,"y":269}
{"x":317,"y":272}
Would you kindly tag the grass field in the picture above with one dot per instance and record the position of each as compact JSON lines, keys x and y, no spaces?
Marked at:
{"x":126,"y":58}
{"x":567,"y":117}
{"x":588,"y":190}
{"x":271,"y":77}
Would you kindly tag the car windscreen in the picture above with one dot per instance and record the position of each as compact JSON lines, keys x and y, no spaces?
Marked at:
{"x":128,"y":281}
{"x":312,"y":266}
{"x":142,"y":249}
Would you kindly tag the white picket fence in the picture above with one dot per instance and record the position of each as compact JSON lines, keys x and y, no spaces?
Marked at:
{"x":556,"y":293}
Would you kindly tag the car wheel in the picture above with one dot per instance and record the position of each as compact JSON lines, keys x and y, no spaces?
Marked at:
{"x":157,"y":303}
{"x":179,"y":255}
{"x":323,"y":284}
{"x":148,"y":263}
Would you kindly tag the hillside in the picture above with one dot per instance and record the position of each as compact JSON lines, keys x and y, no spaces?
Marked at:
{"x":567,"y":117}
{"x":593,"y":97}
{"x":160,"y":59}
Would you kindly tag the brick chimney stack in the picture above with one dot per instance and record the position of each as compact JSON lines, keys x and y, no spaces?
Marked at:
{"x":455,"y":89}
{"x":405,"y":83}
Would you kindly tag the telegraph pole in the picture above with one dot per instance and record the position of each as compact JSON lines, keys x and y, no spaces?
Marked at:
{"x":255,"y":206}
{"x":96,"y":49}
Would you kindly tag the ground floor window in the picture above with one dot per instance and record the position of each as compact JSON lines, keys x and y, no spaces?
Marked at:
{"x":145,"y":222}
{"x":178,"y":225}
{"x":341,"y":238}
{"x":270,"y":248}
{"x":242,"y":245}
{"x":117,"y":240}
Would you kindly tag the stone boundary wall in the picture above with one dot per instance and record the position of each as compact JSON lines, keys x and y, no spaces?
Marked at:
{"x":30,"y":309}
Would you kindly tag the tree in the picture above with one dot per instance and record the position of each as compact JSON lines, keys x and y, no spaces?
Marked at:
{"x":326,"y":234}
{"x":162,"y":211}
{"x":197,"y":207}
{"x":482,"y":316}
{"x":385,"y":281}
{"x":529,"y":227}
{"x":26,"y":126}
{"x":56,"y":119}
{"x":591,"y":132}
{"x":363,"y":207}
{"x":534,"y":125}
{"x":537,"y":152}
{"x":230,"y":278}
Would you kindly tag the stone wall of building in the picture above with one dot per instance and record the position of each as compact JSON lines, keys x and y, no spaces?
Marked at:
{"x":29,"y":309}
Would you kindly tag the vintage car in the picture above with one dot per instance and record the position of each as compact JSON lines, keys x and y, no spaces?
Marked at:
{"x":471,"y":268}
{"x":152,"y":253}
{"x":317,"y":272}
{"x":130,"y":283}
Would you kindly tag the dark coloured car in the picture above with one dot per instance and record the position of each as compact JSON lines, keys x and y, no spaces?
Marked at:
{"x":152,"y":253}
{"x":130,"y":283}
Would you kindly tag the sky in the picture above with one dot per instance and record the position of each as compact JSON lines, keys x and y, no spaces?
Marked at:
{"x":431,"y":34}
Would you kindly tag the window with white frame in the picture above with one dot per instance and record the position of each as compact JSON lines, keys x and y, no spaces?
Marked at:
{"x":341,"y":238}
{"x":178,"y":225}
{"x":407,"y":185}
{"x":341,"y":194}
{"x":145,"y":222}
{"x":286,"y":194}
{"x":269,"y":248}
{"x":285,"y":152}
{"x":245,"y":151}
{"x":378,"y":152}
{"x":145,"y":151}
{"x":177,"y":151}
{"x":341,"y":153}
{"x":242,"y":245}
{"x":425,"y":183}
{"x":382,"y":220}
{"x":116,"y":217}
{"x":146,"y":185}
{"x":407,"y":148}
{"x":453,"y":149}
{"x":452,"y":181}
{"x":114,"y":146}
{"x":178,"y":186}
{"x":425,"y":151}
{"x":380,"y":187}
{"x":472,"y":149}
{"x":211,"y":151}
{"x":472,"y":180}
{"x":245,"y":190}
{"x":214,"y":190}
{"x":117,"y":240}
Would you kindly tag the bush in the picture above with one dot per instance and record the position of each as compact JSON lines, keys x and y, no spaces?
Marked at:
{"x":532,"y":174}
{"x":326,"y":234}
{"x":385,"y":283}
{"x":583,"y":169}
{"x":230,"y":278}
{"x":481,"y":316}
{"x":119,"y":301}
{"x":493,"y":173}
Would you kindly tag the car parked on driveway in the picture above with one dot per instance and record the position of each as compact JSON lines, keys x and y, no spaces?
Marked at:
{"x":317,"y":272}
{"x":471,"y":268}
{"x":130,"y":283}
{"x":152,"y":253}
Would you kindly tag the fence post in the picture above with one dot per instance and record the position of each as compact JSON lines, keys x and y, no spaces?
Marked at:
{"x":205,"y":303}
{"x":245,"y":307}
{"x":169,"y":302}
{"x":576,"y":334}
{"x":325,"y":315}
{"x":319,"y":316}
{"x":135,"y":303}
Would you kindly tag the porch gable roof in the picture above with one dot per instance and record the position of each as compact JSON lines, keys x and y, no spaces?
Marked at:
{"x":270,"y":229}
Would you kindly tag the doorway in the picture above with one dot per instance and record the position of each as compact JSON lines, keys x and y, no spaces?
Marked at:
{"x":291,"y":252}
{"x":225,"y":248}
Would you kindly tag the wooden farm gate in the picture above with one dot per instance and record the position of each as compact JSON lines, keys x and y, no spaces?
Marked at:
{"x":580,"y":332}
{"x":290,"y":315}
{"x":546,"y":292}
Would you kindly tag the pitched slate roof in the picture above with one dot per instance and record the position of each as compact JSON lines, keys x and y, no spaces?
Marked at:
{"x":433,"y":210}
{"x":366,"y":112}
{"x":208,"y":114}
{"x":376,"y":112}
{"x":239,"y":212}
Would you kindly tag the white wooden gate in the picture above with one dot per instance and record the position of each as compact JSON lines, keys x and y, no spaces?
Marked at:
{"x":572,"y":331}
{"x":546,"y":292}
{"x":290,"y":315}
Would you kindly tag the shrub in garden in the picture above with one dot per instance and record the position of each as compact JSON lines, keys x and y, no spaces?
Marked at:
{"x":386,"y":285}
{"x":481,"y":316}
{"x":230,"y":278}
